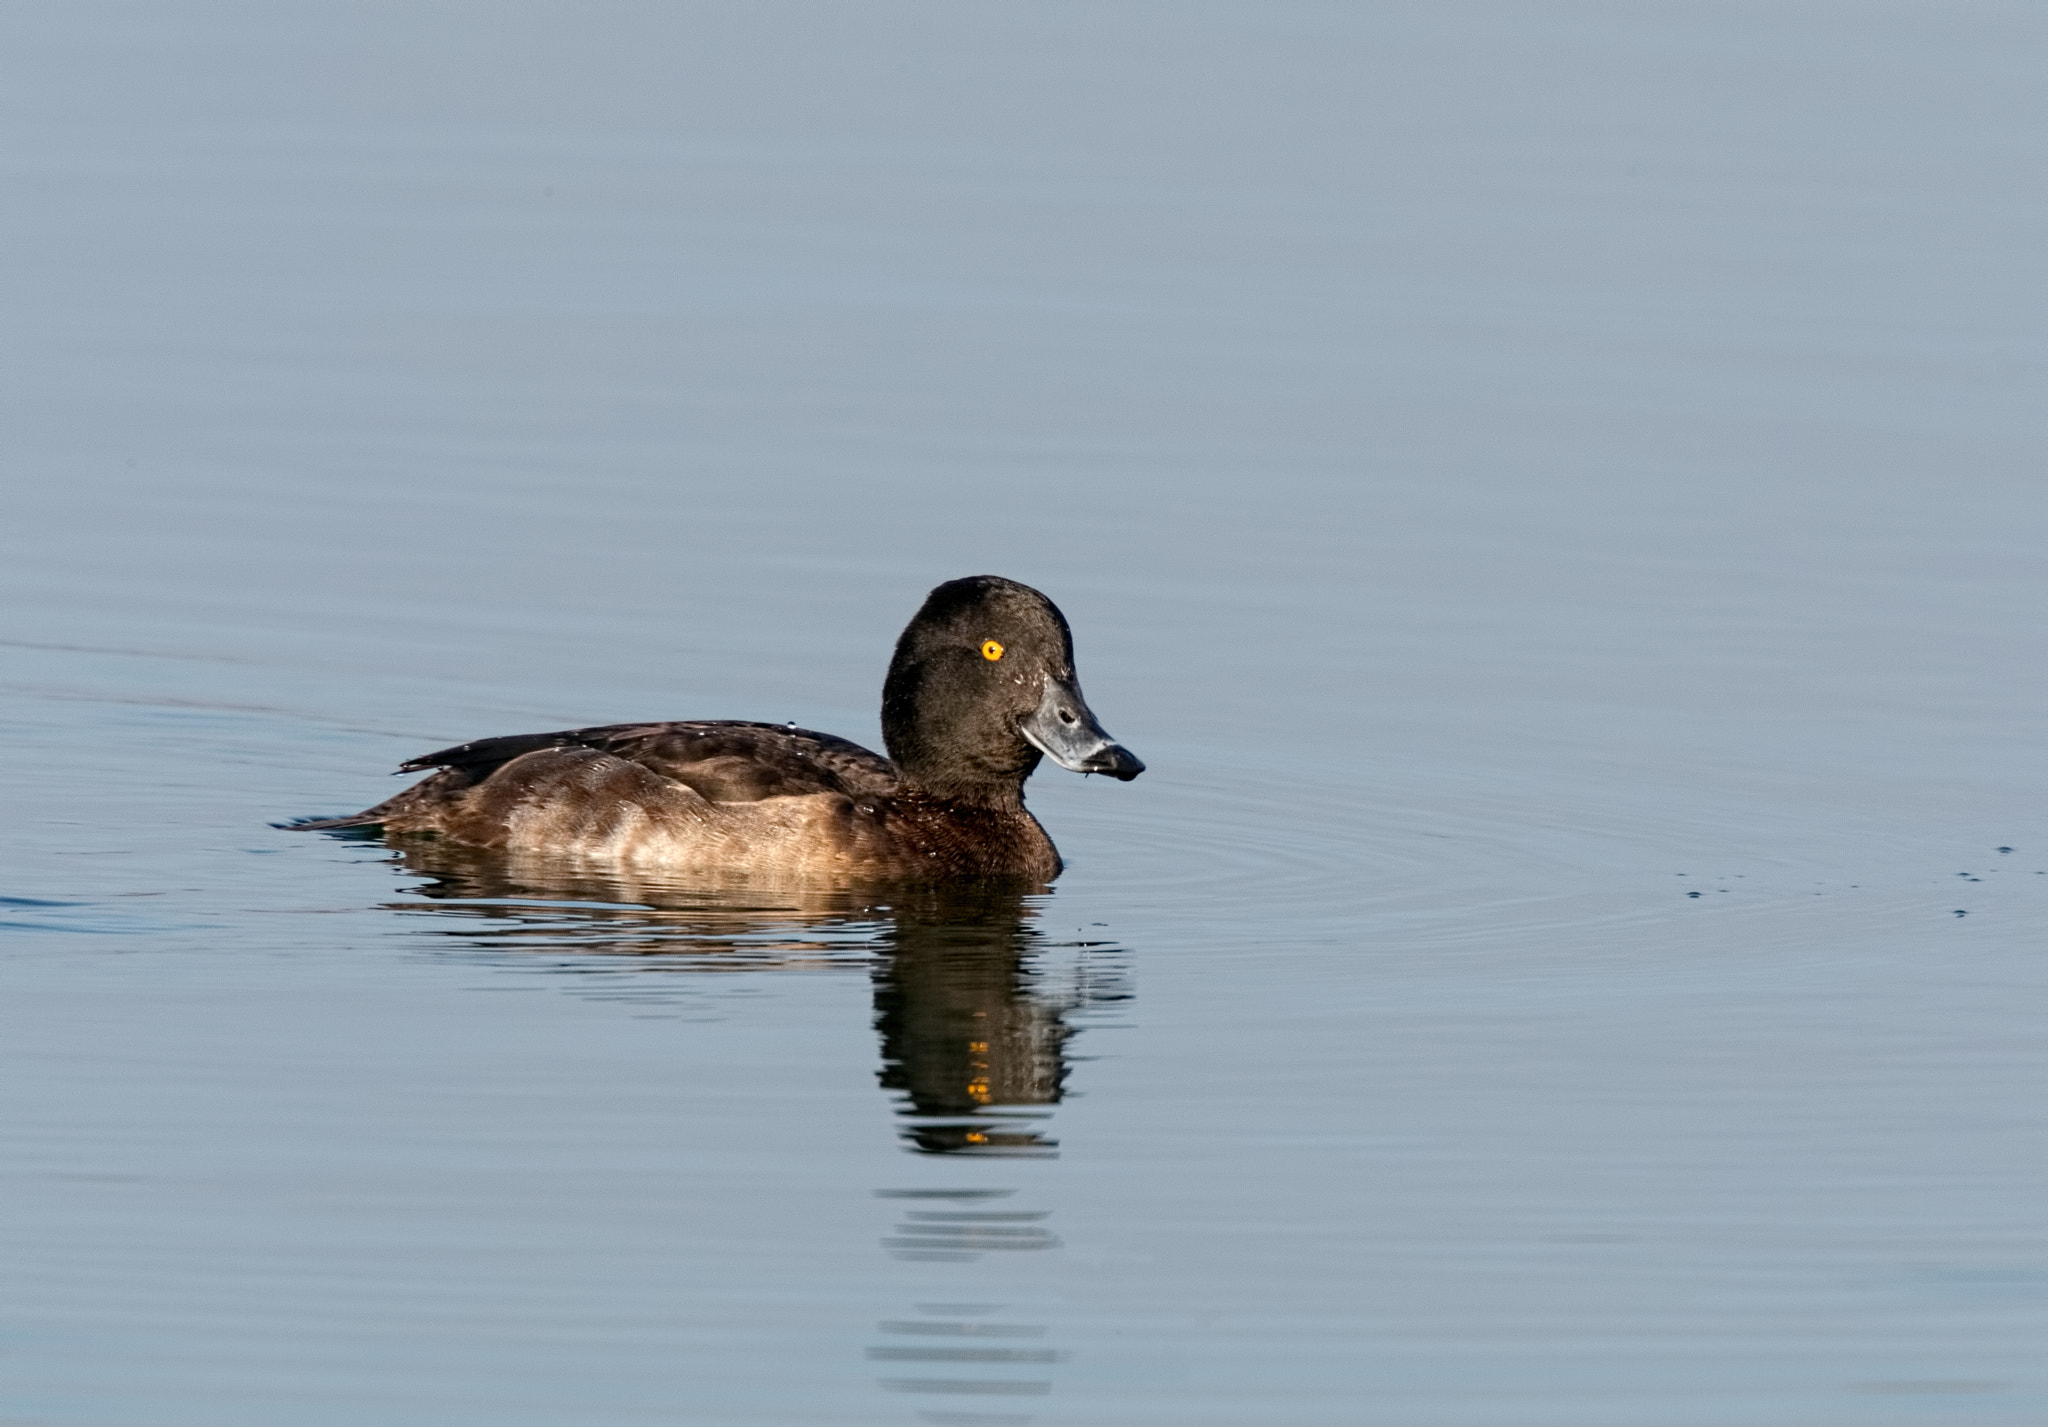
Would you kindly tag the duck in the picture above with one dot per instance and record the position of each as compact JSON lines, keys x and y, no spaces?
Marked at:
{"x":981,"y":688}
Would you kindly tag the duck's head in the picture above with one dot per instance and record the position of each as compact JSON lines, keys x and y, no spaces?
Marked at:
{"x":982,"y":685}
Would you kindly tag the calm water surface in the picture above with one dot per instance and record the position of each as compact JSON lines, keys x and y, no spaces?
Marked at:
{"x":1553,"y":493}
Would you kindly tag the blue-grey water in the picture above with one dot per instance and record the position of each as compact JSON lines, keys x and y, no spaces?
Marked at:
{"x":1555,"y":493}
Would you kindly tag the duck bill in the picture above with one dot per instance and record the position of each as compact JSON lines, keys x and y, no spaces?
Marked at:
{"x":1063,"y":729}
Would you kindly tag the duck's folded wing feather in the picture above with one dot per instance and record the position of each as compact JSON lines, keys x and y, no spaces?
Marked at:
{"x":723,"y":762}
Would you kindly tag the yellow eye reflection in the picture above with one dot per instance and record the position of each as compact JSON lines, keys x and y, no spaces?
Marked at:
{"x":991,"y":651}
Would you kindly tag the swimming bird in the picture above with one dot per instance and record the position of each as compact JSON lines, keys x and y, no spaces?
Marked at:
{"x":981,"y":687}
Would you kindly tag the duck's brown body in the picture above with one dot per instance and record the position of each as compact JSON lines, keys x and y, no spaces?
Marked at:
{"x":981,"y":685}
{"x":712,"y":796}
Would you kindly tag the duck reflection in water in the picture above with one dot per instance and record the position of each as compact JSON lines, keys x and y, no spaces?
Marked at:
{"x":971,"y":1038}
{"x":974,"y":1026}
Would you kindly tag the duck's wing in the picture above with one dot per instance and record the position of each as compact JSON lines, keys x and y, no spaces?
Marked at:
{"x":721,"y":761}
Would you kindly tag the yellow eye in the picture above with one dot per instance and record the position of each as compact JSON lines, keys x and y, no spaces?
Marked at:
{"x":991,"y":651}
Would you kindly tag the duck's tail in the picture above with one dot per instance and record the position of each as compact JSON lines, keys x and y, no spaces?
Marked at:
{"x":330,"y":824}
{"x":462,"y":766}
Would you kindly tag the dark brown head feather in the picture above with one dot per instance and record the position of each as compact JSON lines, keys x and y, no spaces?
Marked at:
{"x":949,"y":712}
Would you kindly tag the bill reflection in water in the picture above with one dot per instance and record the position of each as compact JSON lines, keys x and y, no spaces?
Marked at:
{"x":974,"y":1024}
